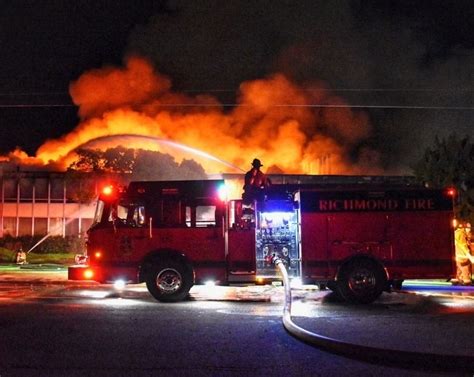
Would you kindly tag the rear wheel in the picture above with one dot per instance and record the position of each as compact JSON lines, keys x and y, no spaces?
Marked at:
{"x":361,"y":281}
{"x":169,"y":281}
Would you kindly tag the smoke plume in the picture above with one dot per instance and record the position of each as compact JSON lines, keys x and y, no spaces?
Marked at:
{"x":339,"y":87}
{"x":274,"y":119}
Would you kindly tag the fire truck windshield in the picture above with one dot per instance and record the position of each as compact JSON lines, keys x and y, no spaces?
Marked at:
{"x":119,"y":213}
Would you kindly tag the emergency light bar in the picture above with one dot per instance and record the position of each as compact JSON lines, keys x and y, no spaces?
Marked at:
{"x":222,"y":192}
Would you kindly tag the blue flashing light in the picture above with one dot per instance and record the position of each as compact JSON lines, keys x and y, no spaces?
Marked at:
{"x":276,"y":218}
{"x":222,"y":192}
{"x":278,"y":206}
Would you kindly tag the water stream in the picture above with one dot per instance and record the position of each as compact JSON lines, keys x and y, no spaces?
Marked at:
{"x":54,"y":230}
{"x":171,"y":143}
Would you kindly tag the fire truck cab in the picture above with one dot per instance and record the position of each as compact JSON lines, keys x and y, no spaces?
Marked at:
{"x":357,"y":241}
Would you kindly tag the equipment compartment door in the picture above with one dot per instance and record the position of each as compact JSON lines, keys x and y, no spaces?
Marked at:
{"x":241,"y":251}
{"x":359,"y":233}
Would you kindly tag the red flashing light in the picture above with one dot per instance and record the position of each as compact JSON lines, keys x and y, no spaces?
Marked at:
{"x":451,"y":192}
{"x":107,"y":190}
{"x":88,"y":274}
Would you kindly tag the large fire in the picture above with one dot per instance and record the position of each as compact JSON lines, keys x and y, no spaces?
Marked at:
{"x":281,"y":123}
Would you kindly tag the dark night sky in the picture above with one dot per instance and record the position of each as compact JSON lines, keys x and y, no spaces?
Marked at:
{"x":380,"y":53}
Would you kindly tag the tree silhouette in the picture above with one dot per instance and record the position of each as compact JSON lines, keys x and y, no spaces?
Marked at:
{"x":135,"y":164}
{"x":450,"y":162}
{"x":89,"y":160}
{"x":119,"y":160}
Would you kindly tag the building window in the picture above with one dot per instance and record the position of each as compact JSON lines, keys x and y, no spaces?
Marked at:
{"x":56,"y":226}
{"x":41,"y":189}
{"x":41,"y":226}
{"x":9,"y":188}
{"x":72,"y":227}
{"x":85,"y":225}
{"x":57,"y":189}
{"x":26,"y":189}
{"x":25,"y":226}
{"x":9,"y":226}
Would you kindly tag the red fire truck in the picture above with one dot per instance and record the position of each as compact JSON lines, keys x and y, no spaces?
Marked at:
{"x":358,"y":241}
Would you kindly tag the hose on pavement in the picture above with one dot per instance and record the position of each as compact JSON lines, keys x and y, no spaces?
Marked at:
{"x":392,"y":357}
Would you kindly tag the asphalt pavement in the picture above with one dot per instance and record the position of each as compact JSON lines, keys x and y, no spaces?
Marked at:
{"x":396,"y":321}
{"x":57,"y":274}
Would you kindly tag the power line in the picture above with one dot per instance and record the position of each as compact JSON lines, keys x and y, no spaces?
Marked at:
{"x":35,"y":105}
{"x":392,"y":90}
{"x":450,"y":90}
{"x":23,"y":94}
{"x":206,"y":105}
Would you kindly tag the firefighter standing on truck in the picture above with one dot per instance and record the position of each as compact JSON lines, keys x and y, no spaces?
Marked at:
{"x":464,"y":258}
{"x":255,"y":182}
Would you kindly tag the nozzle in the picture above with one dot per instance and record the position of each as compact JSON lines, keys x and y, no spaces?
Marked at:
{"x":275,"y":259}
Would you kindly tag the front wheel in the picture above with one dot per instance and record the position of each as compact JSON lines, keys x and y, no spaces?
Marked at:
{"x":169,"y":281}
{"x":361,"y":281}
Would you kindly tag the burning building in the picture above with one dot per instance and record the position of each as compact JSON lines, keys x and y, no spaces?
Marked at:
{"x":293,"y":129}
{"x":39,"y":203}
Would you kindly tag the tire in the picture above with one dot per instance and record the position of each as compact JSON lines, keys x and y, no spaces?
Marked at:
{"x":169,"y":281}
{"x":361,"y":281}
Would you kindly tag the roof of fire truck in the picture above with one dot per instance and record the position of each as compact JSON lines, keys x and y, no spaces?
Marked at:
{"x":291,"y":184}
{"x":179,"y":189}
{"x":282,"y":185}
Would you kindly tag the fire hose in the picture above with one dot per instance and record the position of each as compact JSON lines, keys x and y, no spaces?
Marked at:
{"x":392,"y":357}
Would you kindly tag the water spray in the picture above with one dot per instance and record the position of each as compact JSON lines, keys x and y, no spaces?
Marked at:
{"x":393,"y":357}
{"x":171,"y":143}
{"x":73,"y":217}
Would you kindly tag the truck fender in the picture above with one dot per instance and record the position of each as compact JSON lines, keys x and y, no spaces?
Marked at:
{"x":155,"y":256}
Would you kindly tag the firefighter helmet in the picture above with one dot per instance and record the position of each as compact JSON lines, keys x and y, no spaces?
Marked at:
{"x":256,"y":163}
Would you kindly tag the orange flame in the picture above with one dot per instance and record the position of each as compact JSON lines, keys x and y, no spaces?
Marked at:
{"x":274,"y":120}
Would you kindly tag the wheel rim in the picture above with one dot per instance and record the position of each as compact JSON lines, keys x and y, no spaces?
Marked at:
{"x":169,"y":281}
{"x":361,"y":281}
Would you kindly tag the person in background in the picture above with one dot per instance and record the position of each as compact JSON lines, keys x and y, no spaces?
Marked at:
{"x":464,"y":258}
{"x":21,"y":257}
{"x":255,"y":183}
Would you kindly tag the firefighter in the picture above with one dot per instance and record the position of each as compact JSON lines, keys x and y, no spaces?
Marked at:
{"x":255,"y":183}
{"x":464,"y":258}
{"x":21,"y":257}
